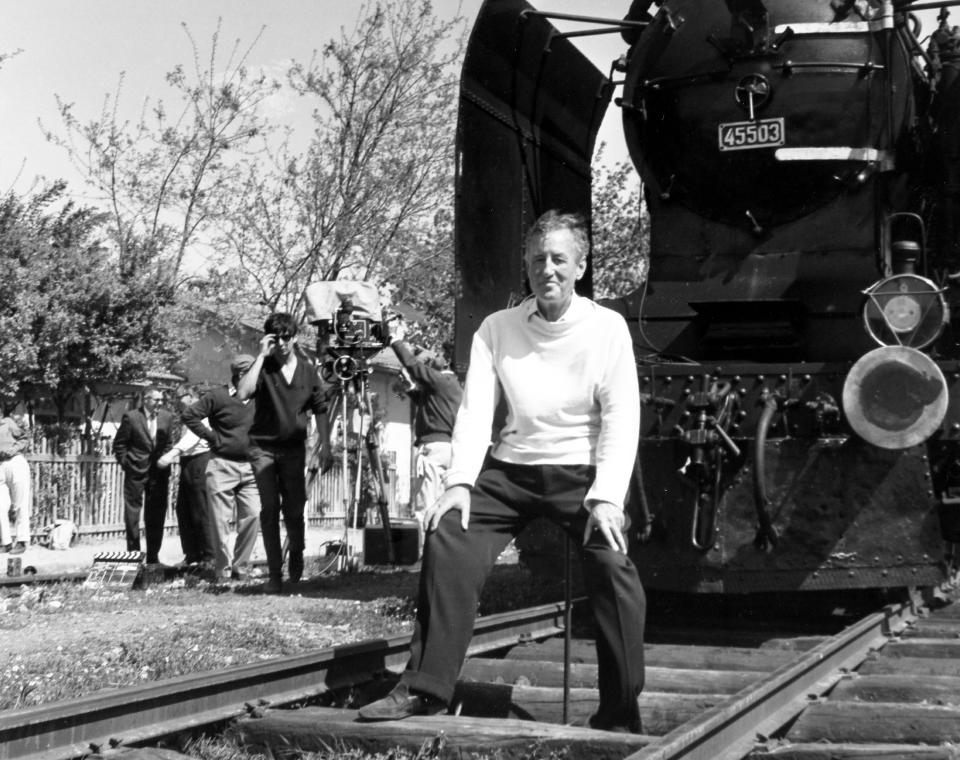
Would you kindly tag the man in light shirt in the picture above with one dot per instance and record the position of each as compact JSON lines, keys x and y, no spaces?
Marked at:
{"x":565,"y":367}
{"x":14,"y":484}
{"x":193,"y":513}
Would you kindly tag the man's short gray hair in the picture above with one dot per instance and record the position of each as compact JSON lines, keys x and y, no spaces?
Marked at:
{"x":553,"y":221}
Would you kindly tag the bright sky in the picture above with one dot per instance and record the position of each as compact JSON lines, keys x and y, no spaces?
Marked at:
{"x":77,"y":49}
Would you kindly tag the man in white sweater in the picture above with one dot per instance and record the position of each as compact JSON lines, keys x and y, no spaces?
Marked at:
{"x":566,"y":369}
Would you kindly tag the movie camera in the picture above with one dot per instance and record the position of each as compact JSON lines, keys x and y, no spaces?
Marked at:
{"x":350,"y":327}
{"x":350,"y":330}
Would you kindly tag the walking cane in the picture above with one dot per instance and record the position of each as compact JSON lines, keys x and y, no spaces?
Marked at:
{"x":566,"y":630}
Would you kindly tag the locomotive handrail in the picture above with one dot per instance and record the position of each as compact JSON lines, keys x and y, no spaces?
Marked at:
{"x":686,"y":79}
{"x":927,"y":6}
{"x":590,"y":32}
{"x":865,"y":68}
{"x":619,"y":23}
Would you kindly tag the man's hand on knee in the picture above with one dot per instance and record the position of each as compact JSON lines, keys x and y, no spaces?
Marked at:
{"x":610,"y":520}
{"x":455,"y":497}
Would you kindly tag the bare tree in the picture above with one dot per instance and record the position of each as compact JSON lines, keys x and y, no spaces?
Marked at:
{"x":159,"y":175}
{"x":378,"y":166}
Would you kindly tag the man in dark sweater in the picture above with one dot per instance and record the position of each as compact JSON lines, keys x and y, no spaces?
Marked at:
{"x":222,"y":420}
{"x":285,"y":386}
{"x":437,"y":397}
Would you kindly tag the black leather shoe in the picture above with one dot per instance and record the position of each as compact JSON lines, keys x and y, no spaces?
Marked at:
{"x":599,"y":724}
{"x":273,"y":586}
{"x":401,"y":703}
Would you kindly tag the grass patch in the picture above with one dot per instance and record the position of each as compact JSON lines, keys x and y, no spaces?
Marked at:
{"x":72,"y":641}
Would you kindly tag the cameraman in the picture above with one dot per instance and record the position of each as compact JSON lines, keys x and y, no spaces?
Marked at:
{"x":285,"y":386}
{"x":437,"y":397}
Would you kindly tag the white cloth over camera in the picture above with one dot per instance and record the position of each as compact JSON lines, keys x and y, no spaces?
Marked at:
{"x":325,"y":298}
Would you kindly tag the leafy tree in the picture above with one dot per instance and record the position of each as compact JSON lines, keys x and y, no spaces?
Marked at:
{"x":378,"y":166}
{"x":621,"y":230}
{"x":421,"y":273}
{"x":159,"y":174}
{"x":69,"y":315}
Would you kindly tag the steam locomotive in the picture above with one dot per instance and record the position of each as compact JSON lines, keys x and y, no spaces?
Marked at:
{"x":797,"y":334}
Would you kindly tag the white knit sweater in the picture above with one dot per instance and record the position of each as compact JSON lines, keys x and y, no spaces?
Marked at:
{"x":571,"y":392}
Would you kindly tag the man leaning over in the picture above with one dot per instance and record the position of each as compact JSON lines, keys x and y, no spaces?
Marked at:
{"x":223,"y":420}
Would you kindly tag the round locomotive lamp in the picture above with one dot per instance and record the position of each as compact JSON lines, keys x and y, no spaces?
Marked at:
{"x":895,"y":397}
{"x":905,"y":310}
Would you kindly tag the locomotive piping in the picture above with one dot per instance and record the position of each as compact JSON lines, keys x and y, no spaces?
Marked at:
{"x":766,"y":534}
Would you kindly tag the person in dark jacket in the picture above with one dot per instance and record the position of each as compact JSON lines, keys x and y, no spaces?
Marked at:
{"x":285,"y":386}
{"x":221,"y":419}
{"x":437,"y":397}
{"x":143,"y":437}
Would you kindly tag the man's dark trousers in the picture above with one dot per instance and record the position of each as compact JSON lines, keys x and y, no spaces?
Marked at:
{"x":456,"y":563}
{"x":155,"y":484}
{"x":279,"y":472}
{"x":193,"y":513}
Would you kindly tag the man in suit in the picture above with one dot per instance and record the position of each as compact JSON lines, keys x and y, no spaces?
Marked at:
{"x":143,"y":437}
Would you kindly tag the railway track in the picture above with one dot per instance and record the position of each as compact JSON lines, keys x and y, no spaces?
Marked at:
{"x":883,"y":684}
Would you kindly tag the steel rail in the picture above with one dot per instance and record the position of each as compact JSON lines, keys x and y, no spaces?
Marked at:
{"x":730,"y":729}
{"x":107,"y":718}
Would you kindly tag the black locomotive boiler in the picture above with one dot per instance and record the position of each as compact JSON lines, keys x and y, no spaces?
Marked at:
{"x":796,"y":337}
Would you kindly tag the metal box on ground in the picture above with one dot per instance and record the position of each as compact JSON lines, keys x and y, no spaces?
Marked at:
{"x":405,"y":538}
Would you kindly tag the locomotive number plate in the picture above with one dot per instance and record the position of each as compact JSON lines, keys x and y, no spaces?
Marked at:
{"x":744,"y":135}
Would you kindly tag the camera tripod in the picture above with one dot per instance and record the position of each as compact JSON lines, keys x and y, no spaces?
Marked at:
{"x":352,"y":392}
